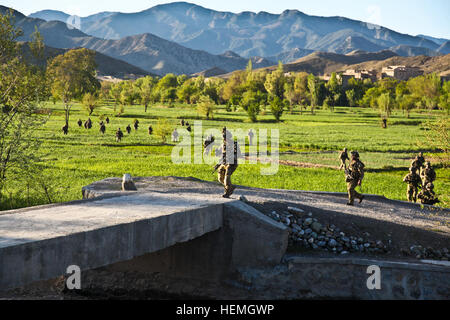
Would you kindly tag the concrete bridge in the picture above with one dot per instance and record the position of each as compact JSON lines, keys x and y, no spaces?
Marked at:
{"x":112,"y":226}
{"x":182,"y":228}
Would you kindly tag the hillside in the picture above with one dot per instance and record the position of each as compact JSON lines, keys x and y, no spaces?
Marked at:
{"x":106,"y":66}
{"x":145,"y":51}
{"x":247,"y":33}
{"x":320,"y":63}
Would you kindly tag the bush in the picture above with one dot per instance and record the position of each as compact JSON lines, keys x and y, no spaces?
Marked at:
{"x":163,"y":129}
{"x":206,"y":107}
{"x":277,"y":108}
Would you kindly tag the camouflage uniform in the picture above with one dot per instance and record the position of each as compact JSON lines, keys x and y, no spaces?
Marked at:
{"x":229,"y":163}
{"x":354,"y":176}
{"x":427,"y":195}
{"x":343,"y":157}
{"x":428,"y":174}
{"x":414,"y":182}
{"x":119,"y":135}
{"x":421,"y":160}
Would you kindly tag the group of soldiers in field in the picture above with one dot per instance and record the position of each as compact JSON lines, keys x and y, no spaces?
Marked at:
{"x":421,"y":176}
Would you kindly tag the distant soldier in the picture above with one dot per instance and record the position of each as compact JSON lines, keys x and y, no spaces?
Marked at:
{"x":88,"y":124}
{"x":80,"y":123}
{"x":187,"y":124}
{"x":343,"y":157}
{"x":228,"y":163}
{"x":102,"y":128}
{"x":421,"y":160}
{"x":182,"y":122}
{"x":208,"y":144}
{"x":107,"y":120}
{"x":354,"y":176}
{"x":250,"y":137}
{"x":414,"y":183}
{"x":416,"y":163}
{"x":188,"y":128}
{"x":119,"y":135}
{"x":427,"y":195}
{"x":150,"y":130}
{"x":428,"y":174}
{"x":136,"y":124}
{"x":128,"y":128}
{"x":175,"y":135}
{"x":65,"y":128}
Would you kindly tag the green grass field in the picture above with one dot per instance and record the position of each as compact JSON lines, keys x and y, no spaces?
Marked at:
{"x":85,"y":156}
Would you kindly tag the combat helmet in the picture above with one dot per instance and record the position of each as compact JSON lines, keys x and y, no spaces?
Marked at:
{"x":355,"y":154}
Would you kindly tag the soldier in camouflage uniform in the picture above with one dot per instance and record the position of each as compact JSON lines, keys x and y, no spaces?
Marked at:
{"x":427,"y":195}
{"x":421,"y":159}
{"x":230,"y":154}
{"x":428,"y":174}
{"x":414,"y":182}
{"x":354,"y":177}
{"x":343,"y":157}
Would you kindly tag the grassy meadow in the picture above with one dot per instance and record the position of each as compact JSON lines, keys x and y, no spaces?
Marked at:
{"x":85,"y":156}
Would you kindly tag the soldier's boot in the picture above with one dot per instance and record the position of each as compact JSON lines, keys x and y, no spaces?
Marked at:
{"x":361,"y":198}
{"x":350,"y":203}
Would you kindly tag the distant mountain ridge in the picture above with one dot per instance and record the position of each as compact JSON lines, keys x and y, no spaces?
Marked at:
{"x":146,"y":51}
{"x":247,"y":33}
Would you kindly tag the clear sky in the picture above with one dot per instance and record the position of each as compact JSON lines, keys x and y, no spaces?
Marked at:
{"x":429,"y":17}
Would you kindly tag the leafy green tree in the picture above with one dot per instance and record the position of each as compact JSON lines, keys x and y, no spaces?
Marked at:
{"x":444,"y":100}
{"x":206,"y":106}
{"x":313,"y":87}
{"x":90,"y":102}
{"x":72,"y":75}
{"x":384,"y":102}
{"x":22,"y":88}
{"x":163,"y":129}
{"x":275,"y":82}
{"x":277,"y":107}
{"x":144,"y":87}
{"x":251,"y":102}
{"x":351,"y":95}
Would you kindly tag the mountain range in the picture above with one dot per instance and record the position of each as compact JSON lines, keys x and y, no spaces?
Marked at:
{"x":249,"y":33}
{"x":189,"y":39}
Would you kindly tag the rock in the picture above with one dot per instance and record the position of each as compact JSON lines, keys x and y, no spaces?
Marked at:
{"x":316,"y":226}
{"x":295,"y":210}
{"x":287,"y":221}
{"x":308,"y":221}
{"x":311,"y":240}
{"x":344,"y":252}
{"x":366,"y":245}
{"x":308,"y":231}
{"x":127,"y":183}
{"x":321,"y":243}
{"x":309,"y":214}
{"x":332,"y":243}
{"x":244,"y":199}
{"x":314,"y":246}
{"x":301,"y":232}
{"x":314,"y":235}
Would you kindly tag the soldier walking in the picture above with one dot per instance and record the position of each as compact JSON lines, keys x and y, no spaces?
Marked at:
{"x":250,"y":137}
{"x":229,"y":162}
{"x":414,"y":183}
{"x":343,"y":157}
{"x":136,"y":124}
{"x":102,"y":128}
{"x":428,"y":174}
{"x":119,"y":135}
{"x":80,"y":123}
{"x":150,"y":130}
{"x":65,"y":128}
{"x":175,"y":135}
{"x":128,"y":128}
{"x":427,"y":195}
{"x":354,"y":177}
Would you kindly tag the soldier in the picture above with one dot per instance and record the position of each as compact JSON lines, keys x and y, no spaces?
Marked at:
{"x":80,"y":123}
{"x":136,"y":124}
{"x":65,"y":128}
{"x":228,"y":163}
{"x":414,"y":182}
{"x":119,"y":135}
{"x":128,"y":128}
{"x":187,"y":124}
{"x":421,"y":160}
{"x":88,"y":124}
{"x":428,"y":174}
{"x":427,"y":195}
{"x":107,"y":120}
{"x":175,"y":135}
{"x":354,"y":177}
{"x":343,"y":157}
{"x":150,"y":130}
{"x":250,"y":137}
{"x":208,"y":144}
{"x":188,"y":127}
{"x":102,"y":127}
{"x":182,"y":122}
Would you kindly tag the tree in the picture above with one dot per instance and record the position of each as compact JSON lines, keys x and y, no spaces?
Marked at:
{"x":406,"y":103}
{"x":384,"y":102}
{"x":444,"y":100}
{"x":144,"y":87}
{"x":22,"y":87}
{"x":72,"y":75}
{"x":90,"y":102}
{"x":277,"y":106}
{"x":313,"y":91}
{"x":350,"y":94}
{"x":206,"y":106}
{"x":163,"y":130}
{"x":275,"y":82}
{"x":251,"y":102}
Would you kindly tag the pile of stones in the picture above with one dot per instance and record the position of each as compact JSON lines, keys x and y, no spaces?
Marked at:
{"x":308,"y":232}
{"x":427,"y":253}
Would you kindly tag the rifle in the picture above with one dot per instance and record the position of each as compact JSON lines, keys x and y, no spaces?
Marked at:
{"x":224,"y":150}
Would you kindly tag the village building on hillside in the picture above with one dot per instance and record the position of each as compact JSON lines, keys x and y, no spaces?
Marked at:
{"x":401,"y":72}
